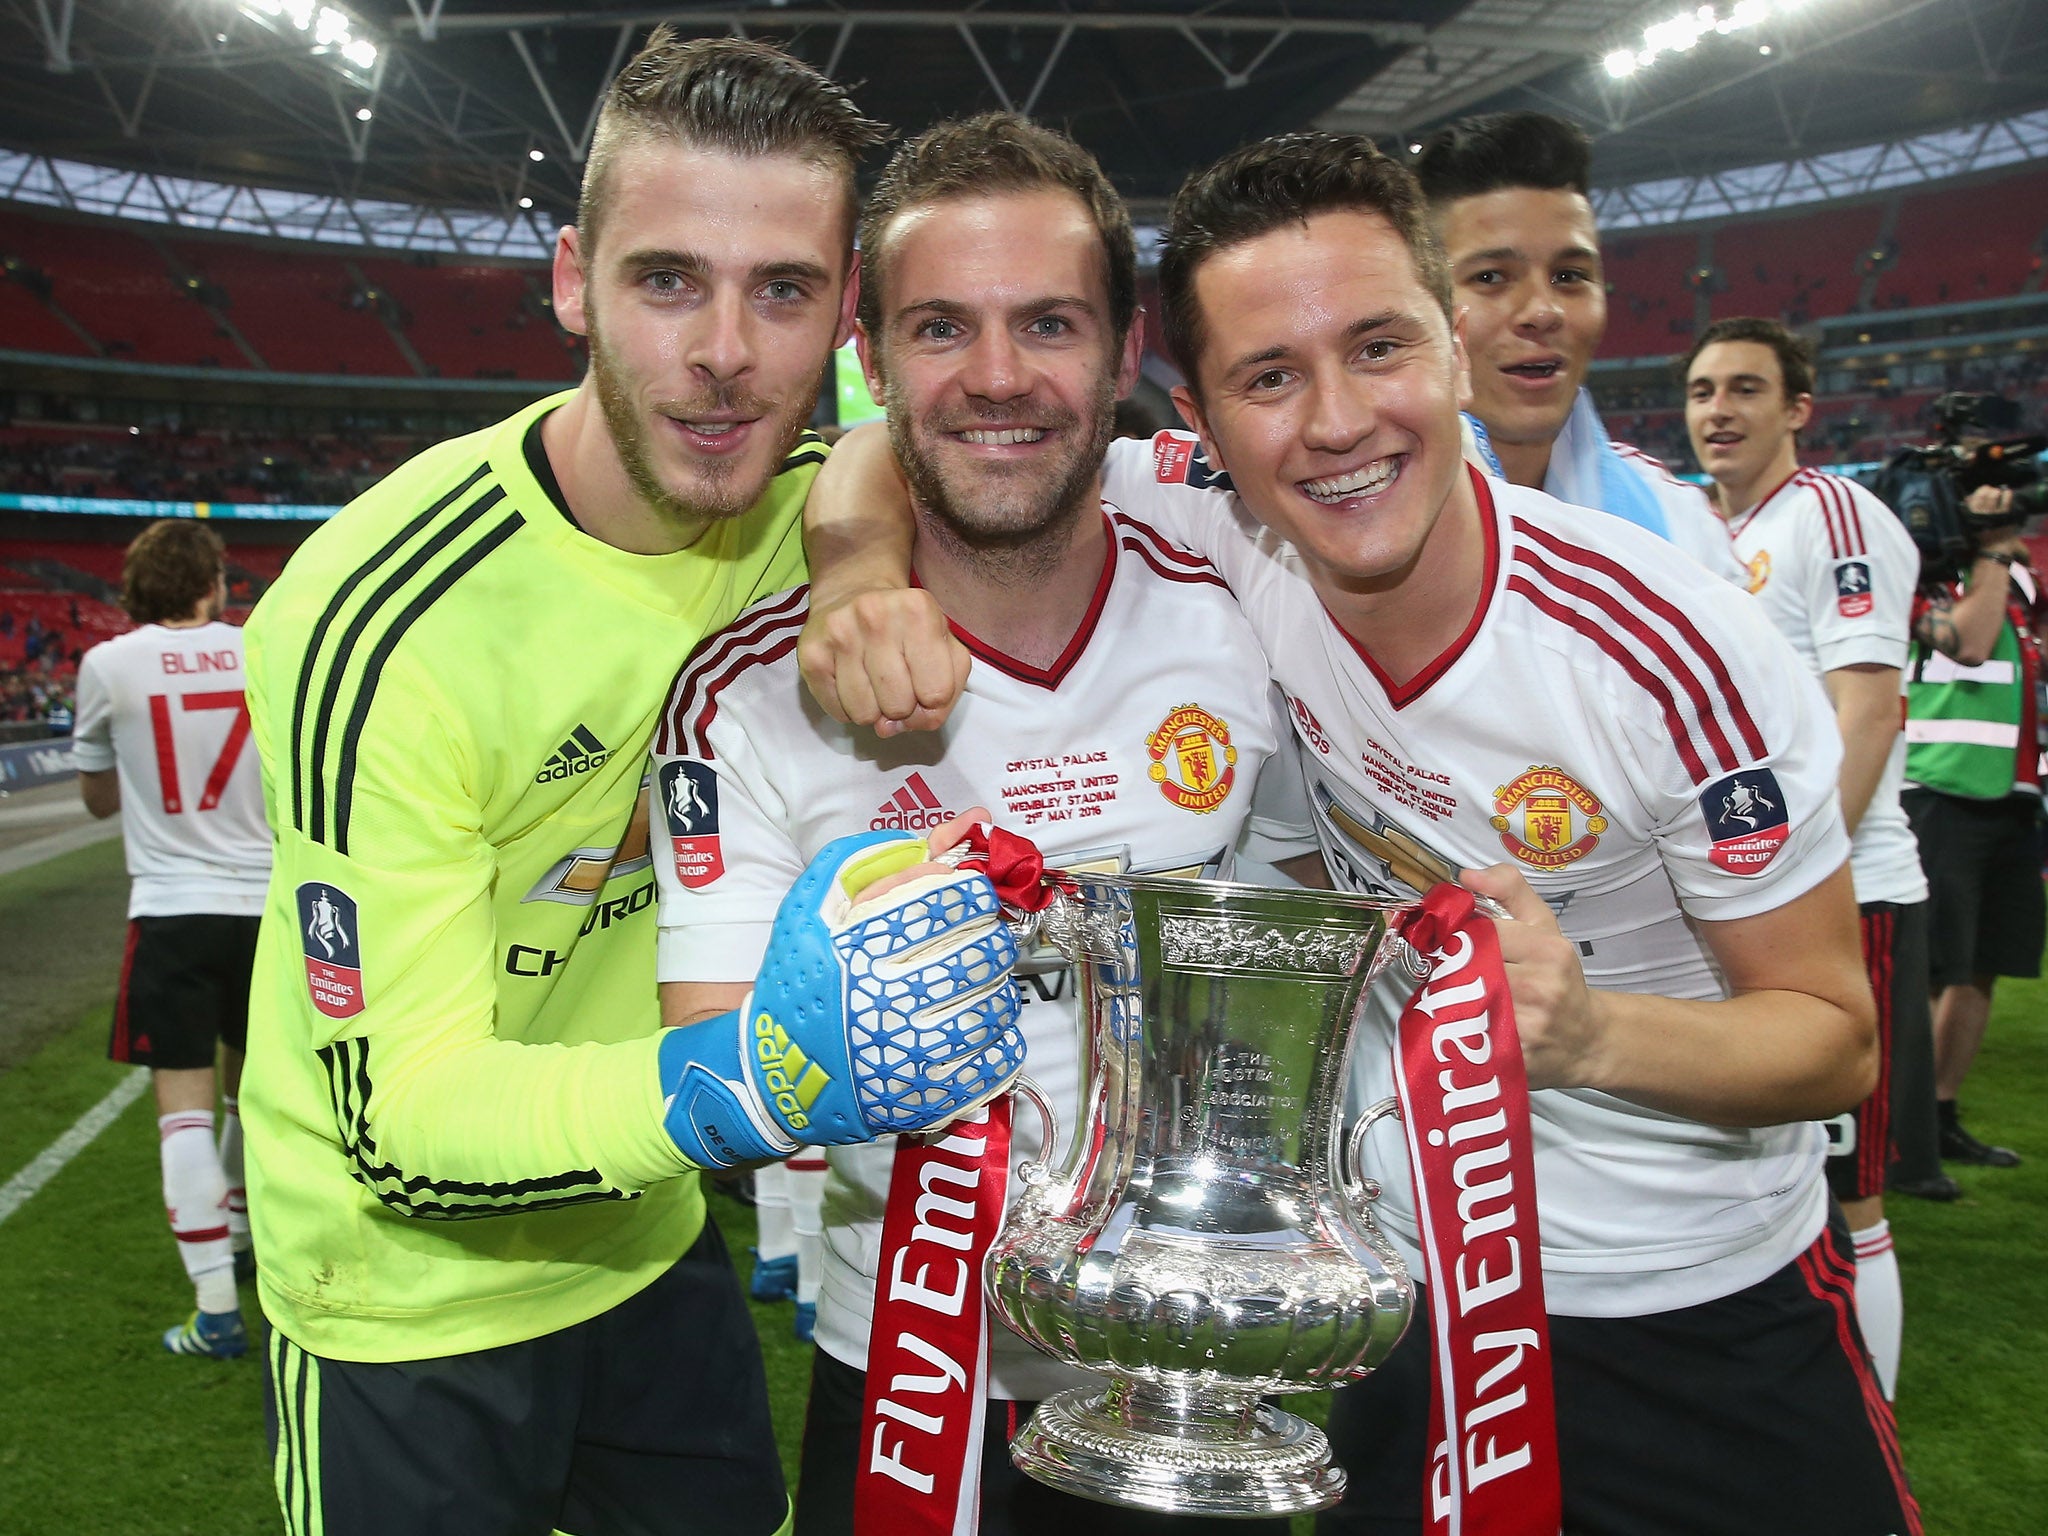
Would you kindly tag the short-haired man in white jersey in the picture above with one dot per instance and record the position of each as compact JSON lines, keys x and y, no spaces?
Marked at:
{"x":161,"y":737}
{"x":1836,"y":572}
{"x":1508,"y":197}
{"x":1118,"y":713}
{"x":1475,"y":670}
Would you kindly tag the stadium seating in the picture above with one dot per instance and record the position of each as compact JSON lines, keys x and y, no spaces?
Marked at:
{"x":1650,"y":296}
{"x":27,"y":325}
{"x":264,"y":562}
{"x":91,"y":558}
{"x":59,"y":589}
{"x":109,"y":460}
{"x":300,"y":310}
{"x":1975,"y":242}
{"x":115,"y":284}
{"x":475,"y":322}
{"x":1796,"y":269}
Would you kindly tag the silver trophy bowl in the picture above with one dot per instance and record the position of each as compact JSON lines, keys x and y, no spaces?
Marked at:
{"x":1208,"y":1241}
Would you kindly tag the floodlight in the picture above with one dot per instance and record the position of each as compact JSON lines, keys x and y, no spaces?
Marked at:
{"x":1682,"y":33}
{"x":328,"y":31}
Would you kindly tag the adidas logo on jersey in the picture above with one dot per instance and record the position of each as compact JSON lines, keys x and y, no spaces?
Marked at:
{"x":581,"y":753}
{"x":913,"y":808}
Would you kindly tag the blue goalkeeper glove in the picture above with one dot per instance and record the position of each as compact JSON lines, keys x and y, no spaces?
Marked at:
{"x":896,"y":1015}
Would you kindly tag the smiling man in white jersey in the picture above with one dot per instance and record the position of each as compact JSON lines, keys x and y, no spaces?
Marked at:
{"x":1508,"y":197}
{"x":1118,"y":712}
{"x":1836,"y":572}
{"x":161,"y":737}
{"x":1476,"y":669}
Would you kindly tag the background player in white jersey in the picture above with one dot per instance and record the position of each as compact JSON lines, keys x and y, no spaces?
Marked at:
{"x":1507,"y":195}
{"x":161,"y":737}
{"x":1118,"y":711}
{"x":1477,"y":669}
{"x":1835,"y":570}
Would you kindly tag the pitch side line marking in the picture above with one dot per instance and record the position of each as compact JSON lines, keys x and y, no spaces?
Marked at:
{"x":49,"y":1162}
{"x":29,"y":854}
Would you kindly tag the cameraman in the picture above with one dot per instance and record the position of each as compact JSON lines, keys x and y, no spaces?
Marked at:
{"x":1973,"y":793}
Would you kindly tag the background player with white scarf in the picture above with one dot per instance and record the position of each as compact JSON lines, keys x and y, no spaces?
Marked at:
{"x":1508,"y":198}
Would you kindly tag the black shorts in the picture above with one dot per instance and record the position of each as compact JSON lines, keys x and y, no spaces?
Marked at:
{"x":1895,"y":955}
{"x":1011,"y":1503}
{"x":652,"y":1418}
{"x":184,"y":990}
{"x":1984,"y":902}
{"x":1759,"y":1412}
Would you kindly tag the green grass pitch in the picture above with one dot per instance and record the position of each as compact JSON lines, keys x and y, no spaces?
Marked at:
{"x":100,"y":1430}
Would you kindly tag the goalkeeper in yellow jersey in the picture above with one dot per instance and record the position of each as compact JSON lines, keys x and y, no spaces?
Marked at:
{"x":496,"y":1303}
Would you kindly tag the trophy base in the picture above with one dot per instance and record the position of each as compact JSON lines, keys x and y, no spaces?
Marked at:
{"x":1179,"y":1451}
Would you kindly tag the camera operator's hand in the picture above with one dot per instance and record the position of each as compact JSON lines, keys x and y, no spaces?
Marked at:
{"x":1964,"y":626}
{"x":1992,"y":504}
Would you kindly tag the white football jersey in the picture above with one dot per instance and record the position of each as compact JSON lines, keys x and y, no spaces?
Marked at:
{"x":1137,"y":749}
{"x":1690,"y":520}
{"x":1836,"y":572}
{"x":1634,"y":736}
{"x":165,"y":707}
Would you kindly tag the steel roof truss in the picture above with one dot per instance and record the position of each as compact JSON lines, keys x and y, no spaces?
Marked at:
{"x":57,"y":33}
{"x":570,"y":145}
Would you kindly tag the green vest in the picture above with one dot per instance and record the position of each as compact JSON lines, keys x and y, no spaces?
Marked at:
{"x":1963,"y":723}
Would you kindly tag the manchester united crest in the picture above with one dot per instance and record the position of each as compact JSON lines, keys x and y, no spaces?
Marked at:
{"x":1546,"y":818}
{"x":1193,"y":762}
{"x":1759,"y":566}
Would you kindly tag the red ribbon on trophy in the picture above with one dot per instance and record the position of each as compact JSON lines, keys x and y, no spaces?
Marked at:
{"x":1013,"y":864}
{"x":1465,"y":1105}
{"x":919,"y":1467}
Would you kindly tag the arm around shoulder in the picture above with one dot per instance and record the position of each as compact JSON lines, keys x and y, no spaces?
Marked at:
{"x":875,"y":650}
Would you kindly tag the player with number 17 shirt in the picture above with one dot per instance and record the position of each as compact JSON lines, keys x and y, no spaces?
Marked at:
{"x":162,"y":736}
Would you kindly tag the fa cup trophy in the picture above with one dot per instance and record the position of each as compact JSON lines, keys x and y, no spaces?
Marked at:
{"x":1208,"y":1241}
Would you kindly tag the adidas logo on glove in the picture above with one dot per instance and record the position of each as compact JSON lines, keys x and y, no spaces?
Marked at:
{"x":787,"y":1073}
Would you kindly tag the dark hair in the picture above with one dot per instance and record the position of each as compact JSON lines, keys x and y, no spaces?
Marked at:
{"x":170,"y":569}
{"x":1501,"y":150}
{"x":1283,"y":180}
{"x":995,"y":152}
{"x":734,"y":94}
{"x":1795,"y":353}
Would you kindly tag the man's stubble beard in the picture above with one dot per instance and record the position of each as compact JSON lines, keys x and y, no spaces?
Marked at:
{"x":728,"y":496}
{"x":1024,"y":533}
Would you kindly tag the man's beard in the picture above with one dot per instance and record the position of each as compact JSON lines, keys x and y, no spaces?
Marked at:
{"x":1008,"y":518}
{"x":720,"y":492}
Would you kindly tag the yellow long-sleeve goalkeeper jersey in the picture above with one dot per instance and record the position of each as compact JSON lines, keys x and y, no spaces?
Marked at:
{"x":452,"y":1108}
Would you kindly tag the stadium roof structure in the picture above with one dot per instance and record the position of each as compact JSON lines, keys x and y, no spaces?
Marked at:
{"x":461,"y":124}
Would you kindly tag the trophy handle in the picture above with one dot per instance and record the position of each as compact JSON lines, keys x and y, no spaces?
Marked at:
{"x":1362,"y":1190}
{"x":1038,"y":1172}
